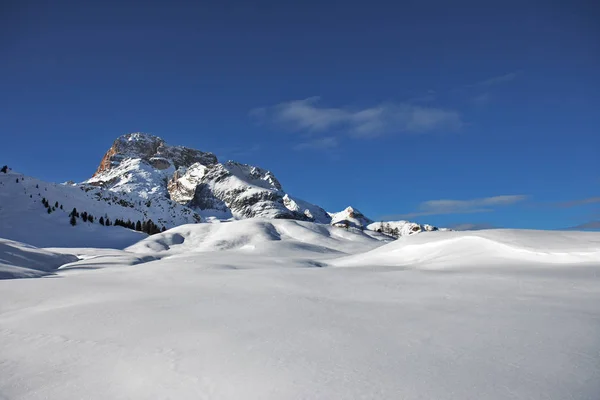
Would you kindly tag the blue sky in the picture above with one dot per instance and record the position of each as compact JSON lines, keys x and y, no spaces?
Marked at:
{"x":447,"y":113}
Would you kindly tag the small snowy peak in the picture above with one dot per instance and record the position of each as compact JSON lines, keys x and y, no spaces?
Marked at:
{"x":311,"y":211}
{"x":350,"y":217}
{"x":20,"y":260}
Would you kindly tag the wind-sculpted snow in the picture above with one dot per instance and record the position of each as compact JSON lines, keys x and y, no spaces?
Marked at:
{"x":261,"y":309}
{"x":260,"y":237}
{"x":20,"y":260}
{"x":447,"y":249}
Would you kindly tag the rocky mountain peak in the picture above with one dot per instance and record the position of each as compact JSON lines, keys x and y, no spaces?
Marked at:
{"x":153,"y":150}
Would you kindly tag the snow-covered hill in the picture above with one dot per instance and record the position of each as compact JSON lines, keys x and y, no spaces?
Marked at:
{"x":285,"y":309}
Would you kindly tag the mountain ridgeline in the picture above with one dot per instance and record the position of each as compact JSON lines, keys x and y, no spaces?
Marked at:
{"x":142,"y":178}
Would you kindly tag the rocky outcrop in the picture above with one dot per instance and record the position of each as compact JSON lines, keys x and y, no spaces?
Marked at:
{"x":152,"y":150}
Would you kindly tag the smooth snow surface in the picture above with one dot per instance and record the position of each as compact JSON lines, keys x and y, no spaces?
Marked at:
{"x":279,"y":309}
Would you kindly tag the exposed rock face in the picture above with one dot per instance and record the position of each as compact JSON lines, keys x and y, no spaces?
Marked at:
{"x":146,"y":165}
{"x":244,"y":190}
{"x":154,"y":151}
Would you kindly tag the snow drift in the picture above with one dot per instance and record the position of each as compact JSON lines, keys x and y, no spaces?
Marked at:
{"x":20,"y":260}
{"x":433,"y":249}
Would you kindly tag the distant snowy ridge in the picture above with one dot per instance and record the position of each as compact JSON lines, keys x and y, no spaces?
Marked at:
{"x":351,"y":217}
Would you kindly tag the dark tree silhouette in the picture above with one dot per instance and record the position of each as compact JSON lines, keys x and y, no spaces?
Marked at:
{"x":4,"y":169}
{"x":101,"y":220}
{"x":73,"y":220}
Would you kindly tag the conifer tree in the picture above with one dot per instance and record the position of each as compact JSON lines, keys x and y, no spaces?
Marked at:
{"x":73,"y":220}
{"x":138,"y":226}
{"x":101,"y":220}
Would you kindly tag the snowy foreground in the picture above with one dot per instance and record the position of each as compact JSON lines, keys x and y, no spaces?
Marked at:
{"x":280,"y":309}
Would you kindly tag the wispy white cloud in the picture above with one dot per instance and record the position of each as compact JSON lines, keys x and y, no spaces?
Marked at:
{"x":496,"y":80}
{"x":323,"y":143}
{"x":309,"y":116}
{"x":482,"y":99}
{"x":486,"y":204}
{"x":579,"y":202}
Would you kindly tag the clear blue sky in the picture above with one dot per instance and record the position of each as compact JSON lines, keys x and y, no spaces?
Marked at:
{"x":387,"y":106}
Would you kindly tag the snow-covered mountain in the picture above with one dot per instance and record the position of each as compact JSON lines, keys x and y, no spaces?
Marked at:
{"x":142,"y":178}
{"x":145,"y":164}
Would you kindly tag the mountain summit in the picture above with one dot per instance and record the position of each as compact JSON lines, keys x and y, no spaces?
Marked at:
{"x":147,"y":166}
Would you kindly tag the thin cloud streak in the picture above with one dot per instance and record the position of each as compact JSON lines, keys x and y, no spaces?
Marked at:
{"x":308,"y":116}
{"x":580,"y":202}
{"x":497,"y":80}
{"x":324,"y":143}
{"x":486,"y":204}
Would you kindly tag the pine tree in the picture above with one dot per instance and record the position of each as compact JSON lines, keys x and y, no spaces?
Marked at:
{"x":56,"y":204}
{"x":101,"y":220}
{"x":4,"y":169}
{"x":73,"y":220}
{"x":396,"y":232}
{"x":17,"y":180}
{"x":74,"y":212}
{"x":138,"y":226}
{"x":91,"y":218}
{"x":107,"y":222}
{"x":163,"y":229}
{"x":61,"y":207}
{"x":49,"y":210}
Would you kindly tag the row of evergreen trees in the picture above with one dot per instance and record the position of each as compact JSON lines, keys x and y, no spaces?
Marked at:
{"x":147,"y":226}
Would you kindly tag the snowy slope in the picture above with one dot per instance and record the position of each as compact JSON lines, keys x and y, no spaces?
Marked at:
{"x":237,"y":310}
{"x":24,"y":218}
